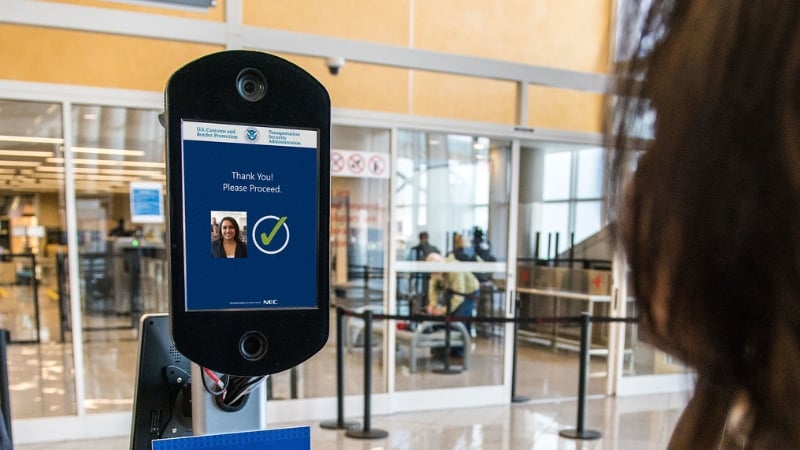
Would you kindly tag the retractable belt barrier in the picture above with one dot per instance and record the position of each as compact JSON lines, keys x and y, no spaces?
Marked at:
{"x":366,"y":432}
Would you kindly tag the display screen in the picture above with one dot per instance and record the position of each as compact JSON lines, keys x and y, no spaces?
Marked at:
{"x":250,"y":211}
{"x":147,"y":202}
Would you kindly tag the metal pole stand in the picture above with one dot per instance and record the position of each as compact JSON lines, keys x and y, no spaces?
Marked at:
{"x":339,"y":423}
{"x":367,"y":432}
{"x":514,"y":397}
{"x":580,"y":432}
{"x":208,"y":418}
{"x":447,"y":370}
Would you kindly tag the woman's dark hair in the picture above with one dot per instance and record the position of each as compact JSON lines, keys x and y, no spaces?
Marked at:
{"x":710,"y":218}
{"x":236,"y":237}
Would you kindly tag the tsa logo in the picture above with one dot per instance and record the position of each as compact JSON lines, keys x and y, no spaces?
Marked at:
{"x":251,"y":134}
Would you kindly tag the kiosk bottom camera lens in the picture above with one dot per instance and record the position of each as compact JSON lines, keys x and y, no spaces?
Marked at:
{"x":251,"y":85}
{"x":253,"y":346}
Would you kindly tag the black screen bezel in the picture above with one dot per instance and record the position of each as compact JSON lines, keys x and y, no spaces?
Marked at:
{"x":205,"y":91}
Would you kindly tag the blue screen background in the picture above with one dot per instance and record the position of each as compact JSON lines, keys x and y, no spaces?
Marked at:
{"x":287,"y":279}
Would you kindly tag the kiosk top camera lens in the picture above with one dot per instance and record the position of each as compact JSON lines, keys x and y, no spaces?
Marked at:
{"x":251,"y":85}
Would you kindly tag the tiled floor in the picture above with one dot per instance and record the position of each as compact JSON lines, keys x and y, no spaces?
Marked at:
{"x":41,"y":387}
{"x":630,"y":423}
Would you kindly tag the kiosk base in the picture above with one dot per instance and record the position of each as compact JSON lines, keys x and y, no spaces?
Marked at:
{"x":207,"y":418}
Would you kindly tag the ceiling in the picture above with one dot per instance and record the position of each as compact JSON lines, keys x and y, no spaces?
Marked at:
{"x":112,"y":146}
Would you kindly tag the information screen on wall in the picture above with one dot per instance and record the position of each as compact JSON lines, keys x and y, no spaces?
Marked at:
{"x":147,"y":202}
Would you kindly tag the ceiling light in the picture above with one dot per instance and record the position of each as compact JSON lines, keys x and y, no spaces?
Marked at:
{"x":19,"y":163}
{"x":107,"y":151}
{"x":102,"y":162}
{"x":56,"y":169}
{"x":28,"y":153}
{"x":32,"y":139}
{"x":50,"y":176}
{"x":107,"y":178}
{"x":143,"y":173}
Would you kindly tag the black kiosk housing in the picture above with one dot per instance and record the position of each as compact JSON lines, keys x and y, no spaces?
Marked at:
{"x":241,"y":316}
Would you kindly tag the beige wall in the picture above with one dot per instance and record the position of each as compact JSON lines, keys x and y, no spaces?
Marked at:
{"x":567,"y":34}
{"x":91,"y":59}
{"x":564,"y":109}
{"x":379,"y":21}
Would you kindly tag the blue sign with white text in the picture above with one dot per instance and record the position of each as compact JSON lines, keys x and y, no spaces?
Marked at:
{"x":250,"y":216}
{"x":298,"y":438}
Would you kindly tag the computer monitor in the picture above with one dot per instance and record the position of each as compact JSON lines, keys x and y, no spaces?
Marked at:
{"x":162,"y":397}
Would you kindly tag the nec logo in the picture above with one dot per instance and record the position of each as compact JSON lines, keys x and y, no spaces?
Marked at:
{"x":270,"y":302}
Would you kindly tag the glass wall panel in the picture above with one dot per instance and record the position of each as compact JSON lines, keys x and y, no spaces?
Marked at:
{"x":555,"y":228}
{"x":447,"y":187}
{"x":557,"y":175}
{"x":452,"y":201}
{"x":590,"y":173}
{"x":588,"y":219}
{"x":561,"y":198}
{"x":122,"y":256}
{"x":33,"y":279}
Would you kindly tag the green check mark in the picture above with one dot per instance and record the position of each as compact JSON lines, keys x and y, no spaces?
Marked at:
{"x":267,"y":239}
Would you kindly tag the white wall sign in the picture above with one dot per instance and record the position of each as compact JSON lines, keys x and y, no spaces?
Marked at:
{"x":349,"y":163}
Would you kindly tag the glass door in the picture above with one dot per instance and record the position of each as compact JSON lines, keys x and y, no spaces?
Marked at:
{"x":121,"y":255}
{"x":33,"y":281}
{"x":563,"y":268}
{"x":451,"y":219}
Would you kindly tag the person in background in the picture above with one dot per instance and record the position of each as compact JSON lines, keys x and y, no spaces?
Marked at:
{"x":481,"y":246}
{"x":424,"y":248}
{"x":460,"y":289}
{"x":710,"y":217}
{"x":119,"y":230}
{"x":460,"y":252}
{"x":419,"y":280}
{"x":460,"y":249}
{"x":214,"y":229}
{"x":229,"y":244}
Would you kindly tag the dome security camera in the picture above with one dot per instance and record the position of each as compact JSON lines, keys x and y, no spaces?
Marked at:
{"x":335,"y":64}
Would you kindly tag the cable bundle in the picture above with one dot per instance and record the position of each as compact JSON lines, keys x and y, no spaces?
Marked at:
{"x":230,"y":392}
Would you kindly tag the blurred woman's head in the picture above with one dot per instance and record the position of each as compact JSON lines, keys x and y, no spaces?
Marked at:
{"x":709,"y":219}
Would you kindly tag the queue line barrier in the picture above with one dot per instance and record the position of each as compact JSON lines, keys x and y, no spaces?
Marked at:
{"x":367,"y":432}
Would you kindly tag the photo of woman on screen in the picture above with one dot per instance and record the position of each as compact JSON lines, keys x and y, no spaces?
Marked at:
{"x":229,"y":244}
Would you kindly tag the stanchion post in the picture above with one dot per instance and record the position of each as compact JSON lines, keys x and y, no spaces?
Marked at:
{"x":293,"y":382}
{"x":339,"y":423}
{"x":580,"y":432}
{"x":5,"y":401}
{"x":366,"y":432}
{"x":514,"y":397}
{"x":447,"y":370}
